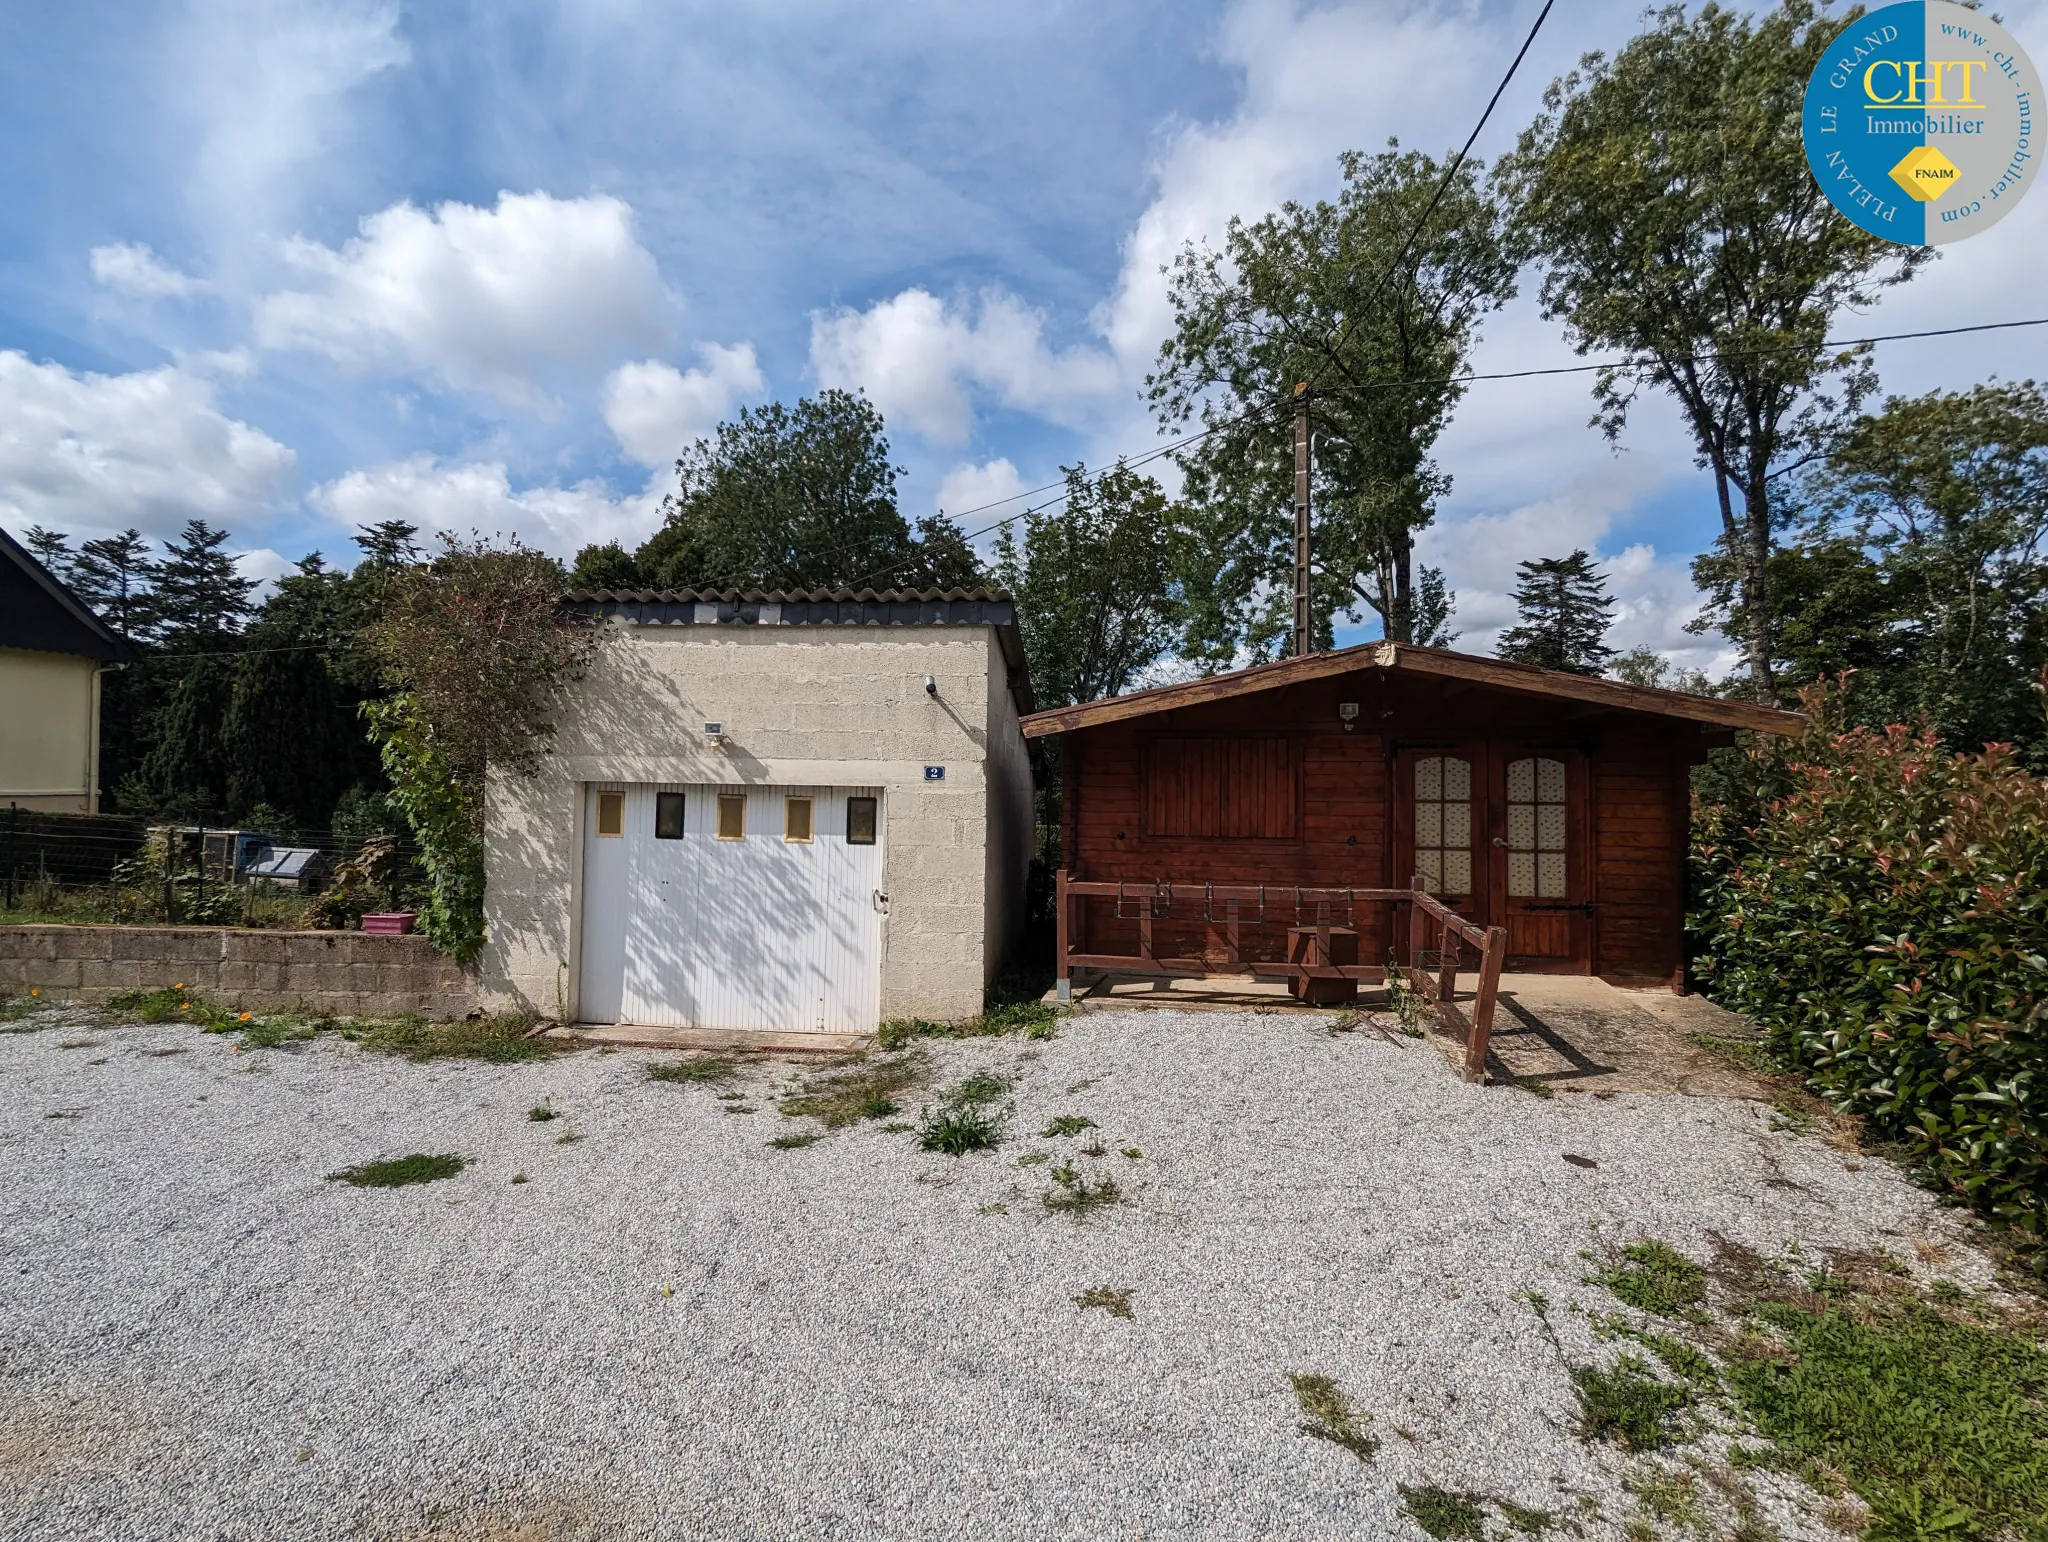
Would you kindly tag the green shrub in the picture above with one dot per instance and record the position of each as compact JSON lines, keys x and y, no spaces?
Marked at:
{"x":958,"y":1128}
{"x":1884,"y":917}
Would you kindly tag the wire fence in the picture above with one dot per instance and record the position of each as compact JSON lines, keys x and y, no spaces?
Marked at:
{"x":128,"y":869}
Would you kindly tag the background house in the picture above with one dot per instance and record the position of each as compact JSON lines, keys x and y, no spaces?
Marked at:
{"x":53,"y":650}
{"x":1552,"y":804}
{"x":804,"y":811}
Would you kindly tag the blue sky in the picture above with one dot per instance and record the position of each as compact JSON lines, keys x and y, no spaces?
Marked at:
{"x":293,"y":267}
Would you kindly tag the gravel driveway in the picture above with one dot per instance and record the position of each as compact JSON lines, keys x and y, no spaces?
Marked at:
{"x":673,"y":1329}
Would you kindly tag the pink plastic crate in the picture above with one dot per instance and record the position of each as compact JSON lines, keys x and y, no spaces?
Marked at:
{"x":395,"y":924}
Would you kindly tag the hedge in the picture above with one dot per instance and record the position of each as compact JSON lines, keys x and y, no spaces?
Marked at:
{"x":1885,"y":919}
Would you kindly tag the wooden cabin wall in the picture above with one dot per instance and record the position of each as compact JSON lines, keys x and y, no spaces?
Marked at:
{"x":1642,"y":811}
{"x":1635,"y":827}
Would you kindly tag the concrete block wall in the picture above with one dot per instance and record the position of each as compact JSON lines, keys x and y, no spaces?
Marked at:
{"x":345,"y":974}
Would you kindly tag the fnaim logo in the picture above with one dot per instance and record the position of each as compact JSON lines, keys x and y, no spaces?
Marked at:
{"x":1922,"y":122}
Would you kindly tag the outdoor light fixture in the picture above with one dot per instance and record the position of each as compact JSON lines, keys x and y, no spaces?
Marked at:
{"x":715,"y":732}
{"x":1348,"y":710}
{"x":931,"y":687}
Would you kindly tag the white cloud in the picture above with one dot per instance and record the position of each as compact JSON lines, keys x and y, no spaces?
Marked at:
{"x":132,"y":269}
{"x":655,"y":410}
{"x":922,"y":360}
{"x":466,"y":496}
{"x":971,"y":488}
{"x":267,"y":81}
{"x":505,"y":300}
{"x":96,"y":453}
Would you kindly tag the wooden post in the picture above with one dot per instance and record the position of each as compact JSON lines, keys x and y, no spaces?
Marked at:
{"x":1476,"y":1041}
{"x":1418,"y":932}
{"x":1447,"y":962}
{"x":1302,"y":612}
{"x":1063,"y":974}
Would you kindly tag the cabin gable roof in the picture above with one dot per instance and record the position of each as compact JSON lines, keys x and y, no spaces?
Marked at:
{"x":1421,"y":663}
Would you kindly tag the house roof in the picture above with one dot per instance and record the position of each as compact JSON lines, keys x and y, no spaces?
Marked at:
{"x":1435,"y":663}
{"x":40,"y":615}
{"x":819,"y":607}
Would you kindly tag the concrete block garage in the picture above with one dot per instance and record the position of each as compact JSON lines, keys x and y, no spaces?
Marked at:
{"x":802,"y":812}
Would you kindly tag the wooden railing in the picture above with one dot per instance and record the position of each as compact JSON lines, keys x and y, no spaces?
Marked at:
{"x":1317,"y":918}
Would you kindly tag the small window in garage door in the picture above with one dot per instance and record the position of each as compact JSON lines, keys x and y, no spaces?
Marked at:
{"x":732,"y":816}
{"x":668,"y":816}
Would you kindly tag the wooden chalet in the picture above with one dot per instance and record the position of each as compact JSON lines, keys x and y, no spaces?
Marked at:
{"x":1279,"y":821}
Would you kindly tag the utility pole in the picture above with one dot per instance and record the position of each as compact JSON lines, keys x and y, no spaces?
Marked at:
{"x":1302,"y":621}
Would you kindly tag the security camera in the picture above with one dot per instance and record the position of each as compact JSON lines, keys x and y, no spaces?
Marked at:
{"x":931,"y":687}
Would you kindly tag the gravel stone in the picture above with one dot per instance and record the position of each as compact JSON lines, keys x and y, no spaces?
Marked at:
{"x":674,"y":1330}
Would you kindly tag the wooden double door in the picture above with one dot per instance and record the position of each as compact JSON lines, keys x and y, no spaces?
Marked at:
{"x":1499,"y":830}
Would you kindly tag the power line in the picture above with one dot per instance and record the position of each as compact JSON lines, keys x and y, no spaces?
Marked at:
{"x":1335,"y":350}
{"x":1693,"y":358}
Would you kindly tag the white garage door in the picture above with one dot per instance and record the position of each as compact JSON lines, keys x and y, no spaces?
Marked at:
{"x":733,"y":907}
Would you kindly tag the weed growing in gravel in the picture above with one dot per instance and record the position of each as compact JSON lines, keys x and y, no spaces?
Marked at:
{"x":1076,"y":1195}
{"x":796,"y":1142}
{"x":1065,"y":1124}
{"x":1669,"y":1496}
{"x":1328,"y":1415}
{"x":865,"y":1090}
{"x":995,"y":1209}
{"x":1530,"y":1523}
{"x":1343,"y":1022}
{"x":898,"y":1127}
{"x":14,"y":1008}
{"x":1627,"y":1404}
{"x":958,"y":1128}
{"x":397,"y":1172}
{"x":1132,"y":1152}
{"x":1940,"y":1425}
{"x":503,"y":1039}
{"x":268,"y":1032}
{"x":1034,"y":1158}
{"x":982,"y":1087}
{"x":1409,"y":1007}
{"x":1115,"y":1302}
{"x":541,"y":1113}
{"x":519,"y":1177}
{"x":1012,"y":1006}
{"x":705,"y":1068}
{"x":1082,"y":1085}
{"x":1536,"y":1087}
{"x":1447,"y":1516}
{"x":171,"y":1004}
{"x":1656,"y":1278}
{"x":568,"y":1138}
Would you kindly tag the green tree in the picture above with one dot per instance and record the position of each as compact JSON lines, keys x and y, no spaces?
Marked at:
{"x":294,"y":734}
{"x":799,"y":497}
{"x":1565,"y":611}
{"x":1667,"y":195}
{"x":1092,"y":585}
{"x":475,"y":650}
{"x":198,"y":598}
{"x":1298,"y":297}
{"x":52,"y":548}
{"x":1914,"y":556}
{"x":1643,"y":665}
{"x":609,"y":566}
{"x":114,"y":575}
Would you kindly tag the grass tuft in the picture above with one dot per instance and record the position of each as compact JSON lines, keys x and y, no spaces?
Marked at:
{"x":705,"y":1068}
{"x":1074,"y":1194}
{"x":540,"y":1113}
{"x":1065,"y":1124}
{"x":1012,"y":1006}
{"x":1627,"y":1404}
{"x":1656,"y":1278}
{"x":1328,"y":1415}
{"x":397,"y":1172}
{"x":958,"y":1128}
{"x":798,"y":1141}
{"x":501,"y":1039}
{"x":1115,"y":1302}
{"x":866,"y":1090}
{"x":1941,"y":1427}
{"x":1447,"y":1516}
{"x":1530,"y":1523}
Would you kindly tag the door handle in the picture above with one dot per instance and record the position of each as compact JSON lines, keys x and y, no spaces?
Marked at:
{"x":881,"y":902}
{"x":1500,"y":843}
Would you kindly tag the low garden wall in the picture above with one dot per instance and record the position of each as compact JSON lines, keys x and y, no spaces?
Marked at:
{"x":338,"y":973}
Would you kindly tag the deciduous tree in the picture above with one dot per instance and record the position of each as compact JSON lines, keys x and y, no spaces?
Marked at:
{"x":1325,"y":293}
{"x":1667,"y":195}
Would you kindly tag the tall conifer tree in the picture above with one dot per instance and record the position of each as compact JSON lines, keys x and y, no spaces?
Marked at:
{"x":1566,"y":611}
